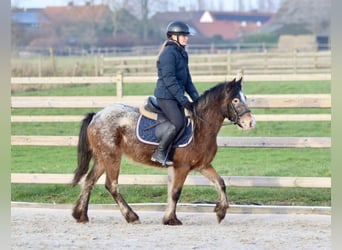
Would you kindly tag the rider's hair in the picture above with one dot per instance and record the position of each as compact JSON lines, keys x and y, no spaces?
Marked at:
{"x":162,"y":47}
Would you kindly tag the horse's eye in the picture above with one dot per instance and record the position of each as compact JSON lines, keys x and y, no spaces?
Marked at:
{"x":236,"y":100}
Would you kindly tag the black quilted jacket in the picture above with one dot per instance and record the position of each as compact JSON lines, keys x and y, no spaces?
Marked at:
{"x":174,"y":78}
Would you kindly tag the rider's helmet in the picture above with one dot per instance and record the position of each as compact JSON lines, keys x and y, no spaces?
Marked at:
{"x":177,"y":28}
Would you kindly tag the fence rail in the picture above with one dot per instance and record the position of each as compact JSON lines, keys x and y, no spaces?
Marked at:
{"x":191,"y":180}
{"x":251,"y":142}
{"x":254,"y":101}
{"x":143,"y":79}
{"x":78,"y":118}
{"x":266,"y":62}
{"x":120,"y":79}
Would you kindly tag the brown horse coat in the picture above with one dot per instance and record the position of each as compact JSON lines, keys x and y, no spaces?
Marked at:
{"x":111,"y":132}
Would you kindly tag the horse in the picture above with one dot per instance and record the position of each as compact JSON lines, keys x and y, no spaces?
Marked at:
{"x":111,"y":132}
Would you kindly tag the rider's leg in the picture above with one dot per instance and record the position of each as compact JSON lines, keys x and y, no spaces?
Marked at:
{"x":160,"y":155}
{"x":175,"y":113}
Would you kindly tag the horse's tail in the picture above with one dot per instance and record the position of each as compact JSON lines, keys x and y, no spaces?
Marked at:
{"x":84,"y":152}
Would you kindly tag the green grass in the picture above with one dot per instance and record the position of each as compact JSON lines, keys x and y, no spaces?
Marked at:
{"x":228,"y":161}
{"x":302,"y":162}
{"x":304,"y":87}
{"x":288,"y":128}
{"x":157,"y":194}
{"x":64,"y":66}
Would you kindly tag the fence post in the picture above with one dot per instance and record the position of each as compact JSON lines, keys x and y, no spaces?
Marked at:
{"x":96,"y":68}
{"x":229,"y":61}
{"x":295,"y":61}
{"x":53,"y":62}
{"x":102,"y":65}
{"x":39,"y":66}
{"x":119,"y":84}
{"x":315,"y":60}
{"x":265,"y":52}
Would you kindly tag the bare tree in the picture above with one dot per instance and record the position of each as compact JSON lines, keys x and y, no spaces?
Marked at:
{"x":115,"y":6}
{"x":144,"y":21}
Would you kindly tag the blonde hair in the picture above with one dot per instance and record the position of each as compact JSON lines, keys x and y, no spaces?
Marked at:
{"x":162,"y":47}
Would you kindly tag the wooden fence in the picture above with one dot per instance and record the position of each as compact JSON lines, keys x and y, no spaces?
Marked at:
{"x":266,"y":62}
{"x":121,"y":79}
{"x":254,"y":101}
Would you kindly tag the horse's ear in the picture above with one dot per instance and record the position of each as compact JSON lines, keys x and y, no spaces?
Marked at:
{"x":230,"y":85}
{"x":239,"y":75}
{"x":239,"y":78}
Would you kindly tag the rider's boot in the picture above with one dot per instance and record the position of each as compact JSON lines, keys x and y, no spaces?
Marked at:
{"x":160,"y":155}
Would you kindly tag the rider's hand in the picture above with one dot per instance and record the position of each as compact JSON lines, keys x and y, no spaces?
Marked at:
{"x":188,"y":105}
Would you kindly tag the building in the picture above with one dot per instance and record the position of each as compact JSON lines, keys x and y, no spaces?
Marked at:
{"x":230,"y":25}
{"x":209,"y":25}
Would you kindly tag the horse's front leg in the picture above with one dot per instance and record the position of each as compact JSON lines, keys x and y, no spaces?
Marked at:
{"x":177,"y":177}
{"x":222,"y":205}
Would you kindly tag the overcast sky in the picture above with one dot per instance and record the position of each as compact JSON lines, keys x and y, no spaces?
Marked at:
{"x":215,"y":4}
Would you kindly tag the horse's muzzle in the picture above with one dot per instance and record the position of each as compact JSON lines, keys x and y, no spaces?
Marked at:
{"x":247,"y":122}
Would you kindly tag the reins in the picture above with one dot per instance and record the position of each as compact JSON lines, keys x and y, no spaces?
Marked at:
{"x":235,"y":122}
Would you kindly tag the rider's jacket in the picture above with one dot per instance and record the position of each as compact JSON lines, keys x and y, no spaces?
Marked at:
{"x":173,"y":74}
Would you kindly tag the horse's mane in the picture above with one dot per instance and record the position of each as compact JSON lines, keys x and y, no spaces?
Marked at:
{"x":213,"y":95}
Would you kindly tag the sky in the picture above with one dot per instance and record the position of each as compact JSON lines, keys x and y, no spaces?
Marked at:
{"x":227,"y":5}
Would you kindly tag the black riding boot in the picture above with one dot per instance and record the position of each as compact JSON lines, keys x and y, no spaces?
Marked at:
{"x":160,"y":154}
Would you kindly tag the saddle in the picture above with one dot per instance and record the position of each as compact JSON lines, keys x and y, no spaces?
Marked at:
{"x":152,"y":124}
{"x":151,"y":109}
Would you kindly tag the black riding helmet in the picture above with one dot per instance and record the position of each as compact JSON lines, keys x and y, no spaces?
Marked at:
{"x":177,"y":28}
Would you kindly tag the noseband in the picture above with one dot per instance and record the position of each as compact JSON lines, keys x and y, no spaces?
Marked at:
{"x":236,"y":113}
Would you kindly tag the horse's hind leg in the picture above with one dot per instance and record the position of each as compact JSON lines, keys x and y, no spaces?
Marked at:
{"x":80,"y":210}
{"x":112,"y":174}
{"x":222,"y":205}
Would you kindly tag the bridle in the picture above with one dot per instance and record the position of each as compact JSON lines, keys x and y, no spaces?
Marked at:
{"x":237,"y":114}
{"x":226,"y":114}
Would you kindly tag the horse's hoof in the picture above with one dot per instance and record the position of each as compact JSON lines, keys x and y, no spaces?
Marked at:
{"x":172,"y":222}
{"x":135,"y":222}
{"x":79,"y":217}
{"x":83,"y":219}
{"x":220,"y":212}
{"x":132,"y":218}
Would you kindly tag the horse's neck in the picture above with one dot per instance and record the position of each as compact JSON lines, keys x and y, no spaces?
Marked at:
{"x":208,"y":124}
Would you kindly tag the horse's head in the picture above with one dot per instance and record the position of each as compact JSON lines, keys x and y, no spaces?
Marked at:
{"x":235,"y":105}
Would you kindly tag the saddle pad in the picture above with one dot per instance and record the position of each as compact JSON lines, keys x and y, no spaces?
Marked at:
{"x":146,"y":133}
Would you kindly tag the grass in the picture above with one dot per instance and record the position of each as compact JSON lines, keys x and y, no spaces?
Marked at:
{"x":157,"y":194}
{"x":317,"y":128}
{"x":228,"y":161}
{"x":57,"y":66}
{"x":250,"y":88}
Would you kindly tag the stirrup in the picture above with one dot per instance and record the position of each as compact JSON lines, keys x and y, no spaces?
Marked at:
{"x":165,"y":162}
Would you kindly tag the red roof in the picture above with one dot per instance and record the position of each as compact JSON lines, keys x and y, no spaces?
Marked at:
{"x":231,"y":25}
{"x":228,"y":30}
{"x":75,"y":13}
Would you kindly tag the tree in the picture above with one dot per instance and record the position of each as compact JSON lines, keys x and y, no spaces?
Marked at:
{"x":139,"y":10}
{"x":144,"y":21}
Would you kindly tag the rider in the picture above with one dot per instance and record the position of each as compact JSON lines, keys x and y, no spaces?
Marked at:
{"x":174,"y":80}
